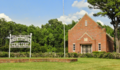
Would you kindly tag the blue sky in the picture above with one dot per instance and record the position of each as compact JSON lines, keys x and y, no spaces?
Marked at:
{"x":38,"y":12}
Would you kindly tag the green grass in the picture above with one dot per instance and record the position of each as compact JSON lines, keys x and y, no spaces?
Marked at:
{"x":81,"y":64}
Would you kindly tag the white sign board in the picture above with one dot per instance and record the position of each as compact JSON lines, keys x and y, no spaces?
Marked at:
{"x":20,"y":41}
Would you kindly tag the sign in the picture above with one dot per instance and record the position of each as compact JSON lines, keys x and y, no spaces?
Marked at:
{"x":85,"y":39}
{"x":20,"y":41}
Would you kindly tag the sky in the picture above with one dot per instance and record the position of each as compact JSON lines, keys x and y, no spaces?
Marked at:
{"x":39,"y":12}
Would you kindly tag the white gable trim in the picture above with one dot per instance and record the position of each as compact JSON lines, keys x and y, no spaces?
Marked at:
{"x":86,"y":34}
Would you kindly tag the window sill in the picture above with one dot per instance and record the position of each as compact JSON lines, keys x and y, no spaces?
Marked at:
{"x":73,"y":51}
{"x":99,"y":50}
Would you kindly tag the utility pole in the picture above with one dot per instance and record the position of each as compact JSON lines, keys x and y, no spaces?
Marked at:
{"x":64,"y":28}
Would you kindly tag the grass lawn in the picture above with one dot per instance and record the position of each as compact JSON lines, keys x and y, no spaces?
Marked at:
{"x":81,"y":64}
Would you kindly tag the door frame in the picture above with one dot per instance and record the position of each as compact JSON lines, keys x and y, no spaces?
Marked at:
{"x":86,"y":44}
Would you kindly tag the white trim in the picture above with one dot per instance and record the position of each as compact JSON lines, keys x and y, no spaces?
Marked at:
{"x":91,"y":48}
{"x":9,"y":45}
{"x":30,"y":44}
{"x":86,"y":34}
{"x":81,"y":49}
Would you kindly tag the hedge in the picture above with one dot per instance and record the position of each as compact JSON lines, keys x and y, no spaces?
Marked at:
{"x":69,"y":55}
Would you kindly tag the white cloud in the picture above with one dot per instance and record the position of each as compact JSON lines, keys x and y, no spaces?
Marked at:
{"x":82,"y":12}
{"x":68,"y":19}
{"x":83,"y":4}
{"x":91,"y":14}
{"x":100,"y":22}
{"x":112,"y":26}
{"x":80,"y":4}
{"x":2,"y":15}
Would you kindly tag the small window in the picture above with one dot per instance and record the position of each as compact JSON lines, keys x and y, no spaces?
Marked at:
{"x":85,"y":22}
{"x":99,"y":47}
{"x":73,"y":47}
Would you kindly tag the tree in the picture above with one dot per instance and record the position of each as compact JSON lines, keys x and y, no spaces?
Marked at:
{"x":111,"y":9}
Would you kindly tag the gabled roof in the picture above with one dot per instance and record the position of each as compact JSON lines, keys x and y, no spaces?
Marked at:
{"x":82,"y":18}
{"x":87,"y":35}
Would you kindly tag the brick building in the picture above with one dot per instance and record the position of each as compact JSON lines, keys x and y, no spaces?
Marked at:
{"x":87,"y":36}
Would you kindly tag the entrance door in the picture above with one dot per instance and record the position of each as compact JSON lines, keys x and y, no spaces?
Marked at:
{"x":86,"y":48}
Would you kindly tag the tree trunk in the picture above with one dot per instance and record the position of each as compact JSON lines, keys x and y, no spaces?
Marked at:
{"x":116,"y":41}
{"x":119,"y":44}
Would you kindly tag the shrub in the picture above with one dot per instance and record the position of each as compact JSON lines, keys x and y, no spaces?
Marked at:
{"x":61,"y":54}
{"x":75,"y":55}
{"x":79,"y":54}
{"x":95,"y":52}
{"x":88,"y":55}
{"x":3,"y":54}
{"x":12,"y":55}
{"x":117,"y":55}
{"x":44,"y":49}
{"x":105,"y":55}
{"x":69,"y":55}
{"x":98,"y":54}
{"x":83,"y":55}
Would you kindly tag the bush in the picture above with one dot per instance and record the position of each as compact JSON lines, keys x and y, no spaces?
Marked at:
{"x":61,"y":54}
{"x":71,"y":54}
{"x":95,"y":52}
{"x":98,"y":54}
{"x":3,"y":54}
{"x":75,"y":55}
{"x":12,"y":55}
{"x":44,"y":49}
{"x":88,"y":55}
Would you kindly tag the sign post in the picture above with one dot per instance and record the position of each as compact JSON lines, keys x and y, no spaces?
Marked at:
{"x":20,"y":41}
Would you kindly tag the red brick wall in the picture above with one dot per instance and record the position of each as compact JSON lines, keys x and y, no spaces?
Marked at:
{"x":110,"y":44}
{"x":94,"y":33}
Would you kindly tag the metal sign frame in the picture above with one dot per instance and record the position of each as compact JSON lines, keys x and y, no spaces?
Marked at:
{"x":20,"y":41}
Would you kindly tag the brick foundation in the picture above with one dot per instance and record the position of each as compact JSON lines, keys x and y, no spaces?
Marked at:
{"x":36,"y":60}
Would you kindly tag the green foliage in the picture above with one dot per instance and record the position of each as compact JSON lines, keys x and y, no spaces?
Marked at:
{"x":111,"y":9}
{"x":61,"y":54}
{"x":44,"y":49}
{"x":48,"y":38}
{"x":75,"y":55}
{"x":89,"y":55}
{"x":3,"y":54}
